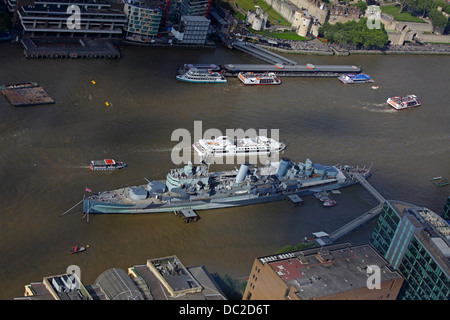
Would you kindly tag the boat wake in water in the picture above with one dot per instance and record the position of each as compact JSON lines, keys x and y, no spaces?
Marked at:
{"x":377,"y":107}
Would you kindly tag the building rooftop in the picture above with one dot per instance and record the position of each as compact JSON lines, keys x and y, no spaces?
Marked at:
{"x":160,"y":279}
{"x":194,"y":18}
{"x":435,"y":233}
{"x":58,"y":287}
{"x":116,"y":285}
{"x":309,"y":270}
{"x":168,"y":279}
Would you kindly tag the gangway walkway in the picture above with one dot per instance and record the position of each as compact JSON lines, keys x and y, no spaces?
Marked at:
{"x":366,"y":216}
{"x":366,"y":185}
{"x":356,"y":223}
{"x":261,"y":53}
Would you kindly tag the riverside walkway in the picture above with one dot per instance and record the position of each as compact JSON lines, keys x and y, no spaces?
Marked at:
{"x":372,"y":213}
{"x":356,"y":223}
{"x":261,"y":53}
{"x":366,"y":185}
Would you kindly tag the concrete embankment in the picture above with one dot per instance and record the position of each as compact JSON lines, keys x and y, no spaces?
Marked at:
{"x":427,"y":49}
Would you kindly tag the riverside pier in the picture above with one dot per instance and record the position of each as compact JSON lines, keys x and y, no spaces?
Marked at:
{"x":73,"y":49}
{"x":275,"y":63}
{"x":308,"y":70}
{"x":282,"y":66}
{"x":324,"y":238}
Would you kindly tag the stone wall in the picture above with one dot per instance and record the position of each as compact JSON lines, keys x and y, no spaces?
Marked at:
{"x":287,"y":8}
{"x":437,"y":38}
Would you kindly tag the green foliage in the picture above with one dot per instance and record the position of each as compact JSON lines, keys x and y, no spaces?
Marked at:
{"x":5,"y":22}
{"x":279,"y":35}
{"x":355,"y":33}
{"x":361,"y":5}
{"x":300,"y":246}
{"x":398,"y":15}
{"x":233,"y":289}
{"x":423,"y":8}
{"x":438,"y":19}
{"x":245,"y":5}
{"x":445,"y":6}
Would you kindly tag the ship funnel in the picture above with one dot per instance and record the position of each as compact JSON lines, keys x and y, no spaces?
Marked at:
{"x":308,"y":164}
{"x":242,"y":172}
{"x":283,"y":167}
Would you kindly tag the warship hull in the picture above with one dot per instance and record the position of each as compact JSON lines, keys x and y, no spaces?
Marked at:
{"x":91,"y":205}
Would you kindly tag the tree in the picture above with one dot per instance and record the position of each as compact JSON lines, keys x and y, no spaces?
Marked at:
{"x":438,"y":20}
{"x":403,"y":5}
{"x":356,"y":33}
{"x":362,"y":6}
{"x":5,"y":22}
{"x":420,"y":6}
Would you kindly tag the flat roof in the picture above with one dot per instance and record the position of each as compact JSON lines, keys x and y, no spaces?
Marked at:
{"x":209,"y":289}
{"x":175,"y":275}
{"x":195,"y":18}
{"x":330,"y":270}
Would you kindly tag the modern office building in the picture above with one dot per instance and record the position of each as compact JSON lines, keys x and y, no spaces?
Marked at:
{"x":192,"y":30}
{"x":339,"y":271}
{"x":71,"y":19}
{"x":143,"y":18}
{"x":415,"y":241}
{"x":179,"y":8}
{"x":446,"y":211}
{"x":195,"y":7}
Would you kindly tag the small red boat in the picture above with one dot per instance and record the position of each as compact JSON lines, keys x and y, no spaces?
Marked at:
{"x":329,"y":203}
{"x":77,"y":249}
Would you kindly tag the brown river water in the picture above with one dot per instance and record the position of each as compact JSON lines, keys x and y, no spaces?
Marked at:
{"x":45,"y":152}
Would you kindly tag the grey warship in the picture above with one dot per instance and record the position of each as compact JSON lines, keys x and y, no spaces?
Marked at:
{"x":193,"y":187}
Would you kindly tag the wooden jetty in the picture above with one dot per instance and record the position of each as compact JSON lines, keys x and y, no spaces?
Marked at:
{"x":294,"y":200}
{"x":188,"y":215}
{"x":26,"y":94}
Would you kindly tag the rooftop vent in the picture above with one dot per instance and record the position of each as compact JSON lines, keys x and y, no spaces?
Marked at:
{"x":324,"y":256}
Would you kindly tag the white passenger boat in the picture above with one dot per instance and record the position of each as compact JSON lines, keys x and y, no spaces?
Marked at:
{"x":355,"y":78}
{"x":106,"y":165}
{"x":405,"y":102}
{"x":224,"y":146}
{"x":201,"y":76}
{"x":259,"y":78}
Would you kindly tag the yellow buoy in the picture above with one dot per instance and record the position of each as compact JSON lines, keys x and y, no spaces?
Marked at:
{"x":93,"y":82}
{"x":107,"y":103}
